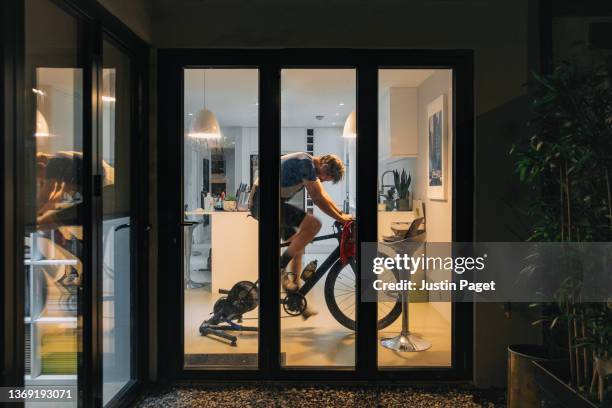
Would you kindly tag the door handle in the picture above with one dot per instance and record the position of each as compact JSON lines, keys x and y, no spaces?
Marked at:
{"x":188,"y":223}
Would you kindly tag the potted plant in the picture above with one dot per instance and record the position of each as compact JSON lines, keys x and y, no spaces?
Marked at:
{"x":229,"y":203}
{"x":402,"y":186}
{"x":567,"y":161}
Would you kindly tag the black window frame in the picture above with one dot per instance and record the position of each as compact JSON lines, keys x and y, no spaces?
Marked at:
{"x":95,"y":22}
{"x":269,"y":62}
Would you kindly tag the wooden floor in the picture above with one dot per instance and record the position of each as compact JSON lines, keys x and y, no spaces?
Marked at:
{"x":320,"y":340}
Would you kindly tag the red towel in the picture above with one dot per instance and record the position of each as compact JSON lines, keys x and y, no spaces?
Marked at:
{"x":347,"y":243}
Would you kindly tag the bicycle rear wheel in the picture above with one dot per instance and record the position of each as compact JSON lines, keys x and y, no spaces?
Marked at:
{"x":341,"y":297}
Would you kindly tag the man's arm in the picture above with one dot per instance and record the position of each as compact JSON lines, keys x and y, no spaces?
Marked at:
{"x":322,"y":200}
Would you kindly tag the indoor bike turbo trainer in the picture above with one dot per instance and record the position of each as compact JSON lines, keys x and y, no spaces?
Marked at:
{"x":340,"y":293}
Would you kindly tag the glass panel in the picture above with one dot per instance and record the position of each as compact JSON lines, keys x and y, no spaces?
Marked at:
{"x":415,"y":137}
{"x":117,"y":219}
{"x":221,"y":148}
{"x":53,"y":172}
{"x":317,"y":189}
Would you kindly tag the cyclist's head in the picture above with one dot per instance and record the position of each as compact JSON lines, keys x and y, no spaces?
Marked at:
{"x":332,"y":168}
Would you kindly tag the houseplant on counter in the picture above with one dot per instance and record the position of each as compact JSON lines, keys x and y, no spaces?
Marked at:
{"x":402,"y":186}
{"x":567,"y":161}
{"x":229,"y":203}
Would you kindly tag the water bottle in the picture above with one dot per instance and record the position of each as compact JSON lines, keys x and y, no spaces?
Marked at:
{"x":309,"y":270}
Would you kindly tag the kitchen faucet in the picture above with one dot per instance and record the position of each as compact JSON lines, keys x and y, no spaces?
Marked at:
{"x":381,"y":192}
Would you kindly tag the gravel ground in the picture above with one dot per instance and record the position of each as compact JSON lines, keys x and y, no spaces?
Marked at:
{"x":255,"y":396}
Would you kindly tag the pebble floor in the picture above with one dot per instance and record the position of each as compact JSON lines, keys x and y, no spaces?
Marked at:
{"x":324,"y":396}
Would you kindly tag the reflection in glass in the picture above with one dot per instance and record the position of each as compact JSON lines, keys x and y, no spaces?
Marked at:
{"x":54,"y":195}
{"x":318,"y":296}
{"x":220,"y":238}
{"x":424,"y":323}
{"x":117,"y":222}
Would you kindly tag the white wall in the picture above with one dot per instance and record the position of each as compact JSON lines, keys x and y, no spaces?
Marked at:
{"x":439,"y":213}
{"x":439,"y":221}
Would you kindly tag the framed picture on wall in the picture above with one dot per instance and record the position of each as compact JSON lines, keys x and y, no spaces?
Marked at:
{"x":437,"y":146}
{"x":254,"y":168}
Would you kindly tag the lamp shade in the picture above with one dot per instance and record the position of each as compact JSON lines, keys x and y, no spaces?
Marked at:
{"x":350,"y":126}
{"x":205,"y":126}
{"x":42,"y":127}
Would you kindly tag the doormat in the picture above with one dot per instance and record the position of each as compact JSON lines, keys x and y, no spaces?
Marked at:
{"x":225,"y":359}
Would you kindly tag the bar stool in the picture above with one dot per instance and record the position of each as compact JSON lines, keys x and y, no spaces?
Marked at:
{"x":405,"y":341}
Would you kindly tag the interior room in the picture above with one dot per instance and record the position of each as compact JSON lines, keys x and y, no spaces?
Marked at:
{"x":318,"y":118}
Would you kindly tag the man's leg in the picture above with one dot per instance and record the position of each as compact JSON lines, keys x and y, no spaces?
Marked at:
{"x":307,"y":230}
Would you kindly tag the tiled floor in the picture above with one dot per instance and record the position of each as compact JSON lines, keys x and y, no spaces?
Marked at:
{"x":220,"y":396}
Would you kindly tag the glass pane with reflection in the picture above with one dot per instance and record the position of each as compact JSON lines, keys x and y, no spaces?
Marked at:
{"x":117,"y":221}
{"x":53,"y":175}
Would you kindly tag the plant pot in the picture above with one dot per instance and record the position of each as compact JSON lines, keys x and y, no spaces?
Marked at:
{"x":552,"y":378}
{"x":522,"y":386}
{"x":604,"y":369}
{"x":403,"y":204}
{"x":389,"y":204}
{"x":229,"y":205}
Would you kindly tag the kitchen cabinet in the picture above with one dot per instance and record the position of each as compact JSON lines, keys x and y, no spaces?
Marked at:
{"x":398,"y":130}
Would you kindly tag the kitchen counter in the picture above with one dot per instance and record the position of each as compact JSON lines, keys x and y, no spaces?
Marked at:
{"x":234,"y":242}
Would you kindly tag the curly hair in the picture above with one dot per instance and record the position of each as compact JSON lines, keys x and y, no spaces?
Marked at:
{"x":335,"y":167}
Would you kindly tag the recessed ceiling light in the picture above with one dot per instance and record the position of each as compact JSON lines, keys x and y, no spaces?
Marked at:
{"x":341,"y":104}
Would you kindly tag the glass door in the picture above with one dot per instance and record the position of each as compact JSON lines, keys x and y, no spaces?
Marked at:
{"x":220,"y":237}
{"x":414,"y":216}
{"x":55,"y":263}
{"x":118,"y":220}
{"x":317,"y":196}
{"x":315,"y":123}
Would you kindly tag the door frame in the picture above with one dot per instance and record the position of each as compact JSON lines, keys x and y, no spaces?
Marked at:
{"x":171,"y":63}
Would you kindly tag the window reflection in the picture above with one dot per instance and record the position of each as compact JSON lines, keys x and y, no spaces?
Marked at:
{"x":117,"y":222}
{"x":53,"y":174}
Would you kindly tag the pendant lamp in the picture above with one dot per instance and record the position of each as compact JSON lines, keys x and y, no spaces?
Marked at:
{"x":350,"y":127}
{"x":205,"y":124}
{"x":42,"y":127}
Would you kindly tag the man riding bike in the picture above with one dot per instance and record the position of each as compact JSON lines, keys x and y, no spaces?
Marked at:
{"x":298,"y":171}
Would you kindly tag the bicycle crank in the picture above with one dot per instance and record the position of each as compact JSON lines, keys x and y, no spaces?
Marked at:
{"x":294,"y":304}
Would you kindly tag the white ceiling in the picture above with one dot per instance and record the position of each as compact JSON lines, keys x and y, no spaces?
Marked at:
{"x":232,"y":94}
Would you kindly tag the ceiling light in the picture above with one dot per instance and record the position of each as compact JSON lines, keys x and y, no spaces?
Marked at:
{"x":205,"y":124}
{"x":341,"y":104}
{"x":350,"y":126}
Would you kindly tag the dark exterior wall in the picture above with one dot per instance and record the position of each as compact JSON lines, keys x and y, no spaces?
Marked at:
{"x":502,"y":33}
